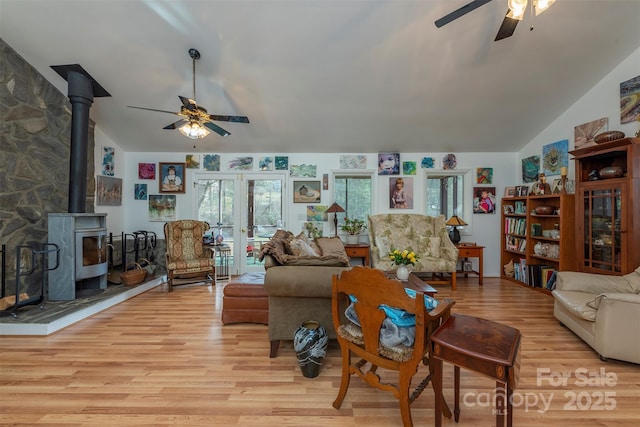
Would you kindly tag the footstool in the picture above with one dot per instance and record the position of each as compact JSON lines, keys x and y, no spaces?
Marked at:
{"x":244,"y":300}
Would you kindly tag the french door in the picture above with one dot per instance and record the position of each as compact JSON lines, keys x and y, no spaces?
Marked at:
{"x":243,"y":210}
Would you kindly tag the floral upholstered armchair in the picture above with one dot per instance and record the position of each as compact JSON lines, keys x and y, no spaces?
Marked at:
{"x":186,"y":257}
{"x":426,"y":235}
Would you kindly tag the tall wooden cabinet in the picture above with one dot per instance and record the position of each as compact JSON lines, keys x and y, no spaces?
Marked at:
{"x":538,"y":243}
{"x":608,"y":207}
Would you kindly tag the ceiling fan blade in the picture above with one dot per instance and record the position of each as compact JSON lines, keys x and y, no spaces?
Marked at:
{"x":188,"y":103}
{"x":507,"y":28}
{"x":177,"y":124}
{"x":217,"y":129}
{"x":460,"y":12}
{"x":153,"y":109}
{"x":235,"y":119}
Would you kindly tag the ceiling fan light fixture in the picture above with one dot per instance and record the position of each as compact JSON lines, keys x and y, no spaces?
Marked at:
{"x":542,"y":5}
{"x":517,"y":9}
{"x":193,"y":130}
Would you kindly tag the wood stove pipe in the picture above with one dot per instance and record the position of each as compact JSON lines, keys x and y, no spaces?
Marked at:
{"x":81,"y":90}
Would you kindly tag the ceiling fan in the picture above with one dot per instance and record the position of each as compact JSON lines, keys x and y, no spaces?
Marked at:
{"x":514,"y":14}
{"x":196,"y":122}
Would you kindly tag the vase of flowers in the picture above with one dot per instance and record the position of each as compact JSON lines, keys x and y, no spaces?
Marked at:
{"x":405,"y":260}
{"x":353,"y":227}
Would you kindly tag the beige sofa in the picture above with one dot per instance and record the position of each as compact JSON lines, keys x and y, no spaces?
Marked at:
{"x":602,"y":310}
{"x":426,"y":235}
{"x":299,"y":284}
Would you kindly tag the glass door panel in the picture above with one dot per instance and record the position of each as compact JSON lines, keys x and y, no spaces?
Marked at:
{"x":263,"y":195}
{"x":603,"y":225}
{"x":215,"y":205}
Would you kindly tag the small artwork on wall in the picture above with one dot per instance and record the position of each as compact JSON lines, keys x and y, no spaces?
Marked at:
{"x":449,"y":161}
{"x":308,"y":171}
{"x":140,"y":192}
{"x":484,"y":201}
{"x":108,"y":162}
{"x":281,"y":163}
{"x":192,"y":161}
{"x":146,"y":171}
{"x":211,"y":162}
{"x":401,"y":193}
{"x":530,"y":168}
{"x":162,"y":207}
{"x":428,"y":163}
{"x":317,"y":213}
{"x":108,"y":191}
{"x":349,"y":161}
{"x":389,"y":164}
{"x":484,"y":175}
{"x":409,"y":168}
{"x":630,"y":100}
{"x":584,"y":133}
{"x":241,"y":163}
{"x":306,"y":191}
{"x":172,"y":177}
{"x":265,"y":163}
{"x":554,"y":157}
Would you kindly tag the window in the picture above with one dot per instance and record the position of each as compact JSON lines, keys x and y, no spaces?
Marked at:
{"x":445,"y":193}
{"x":354,"y":194}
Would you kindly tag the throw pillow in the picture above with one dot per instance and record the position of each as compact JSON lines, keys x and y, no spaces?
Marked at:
{"x":299,"y":247}
{"x":310,"y":242}
{"x":331,"y":246}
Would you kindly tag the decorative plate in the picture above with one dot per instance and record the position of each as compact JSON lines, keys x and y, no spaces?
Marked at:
{"x":612,"y":135}
{"x":449,"y":161}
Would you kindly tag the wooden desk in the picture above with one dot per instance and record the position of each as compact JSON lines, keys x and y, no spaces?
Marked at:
{"x":466,"y":252}
{"x":483,"y":346}
{"x":358,"y":250}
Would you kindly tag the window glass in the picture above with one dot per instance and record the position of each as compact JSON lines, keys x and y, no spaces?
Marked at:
{"x":445,"y":194}
{"x":354,"y":194}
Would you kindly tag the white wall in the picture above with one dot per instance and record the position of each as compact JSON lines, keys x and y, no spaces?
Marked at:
{"x":483,"y":229}
{"x":603,"y":100}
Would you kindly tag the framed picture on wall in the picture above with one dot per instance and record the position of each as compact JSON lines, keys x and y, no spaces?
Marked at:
{"x":171,"y":177}
{"x":306,"y":191}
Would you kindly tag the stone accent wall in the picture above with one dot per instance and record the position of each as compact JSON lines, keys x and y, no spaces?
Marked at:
{"x":35,"y":136}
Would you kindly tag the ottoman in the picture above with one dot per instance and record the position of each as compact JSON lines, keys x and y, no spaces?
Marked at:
{"x":244,"y":300}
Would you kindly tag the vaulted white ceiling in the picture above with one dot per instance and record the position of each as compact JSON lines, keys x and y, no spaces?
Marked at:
{"x":327,"y":76}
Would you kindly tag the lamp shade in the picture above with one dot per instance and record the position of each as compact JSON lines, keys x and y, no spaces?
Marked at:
{"x":334,"y":208}
{"x":455,"y":221}
{"x":193,"y":130}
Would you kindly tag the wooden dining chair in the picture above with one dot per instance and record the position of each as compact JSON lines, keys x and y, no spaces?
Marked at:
{"x":369,"y":290}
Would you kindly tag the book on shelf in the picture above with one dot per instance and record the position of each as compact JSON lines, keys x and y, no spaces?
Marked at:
{"x":540,"y":275}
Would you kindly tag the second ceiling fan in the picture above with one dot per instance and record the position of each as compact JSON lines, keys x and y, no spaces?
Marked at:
{"x":515,"y":13}
{"x":196,"y":122}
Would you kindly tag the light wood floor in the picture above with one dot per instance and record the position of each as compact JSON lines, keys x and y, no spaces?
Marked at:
{"x":165,"y":359}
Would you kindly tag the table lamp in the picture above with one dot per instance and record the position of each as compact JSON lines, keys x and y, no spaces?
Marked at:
{"x":455,"y":222}
{"x":335,"y":208}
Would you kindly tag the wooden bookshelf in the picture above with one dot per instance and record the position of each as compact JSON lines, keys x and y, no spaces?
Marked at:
{"x":537,"y":244}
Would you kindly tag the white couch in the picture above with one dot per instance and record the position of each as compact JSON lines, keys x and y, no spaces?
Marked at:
{"x":602,"y":310}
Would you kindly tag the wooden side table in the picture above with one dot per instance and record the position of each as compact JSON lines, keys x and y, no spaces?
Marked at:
{"x":358,"y":250}
{"x":466,"y":252}
{"x":483,"y":346}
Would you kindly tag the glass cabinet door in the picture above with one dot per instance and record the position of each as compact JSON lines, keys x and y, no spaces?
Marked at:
{"x":602,"y":228}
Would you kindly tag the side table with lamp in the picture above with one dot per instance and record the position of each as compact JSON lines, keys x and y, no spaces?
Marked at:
{"x":465,"y":251}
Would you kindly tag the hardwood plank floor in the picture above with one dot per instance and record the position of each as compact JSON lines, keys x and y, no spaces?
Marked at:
{"x":165,"y":359}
